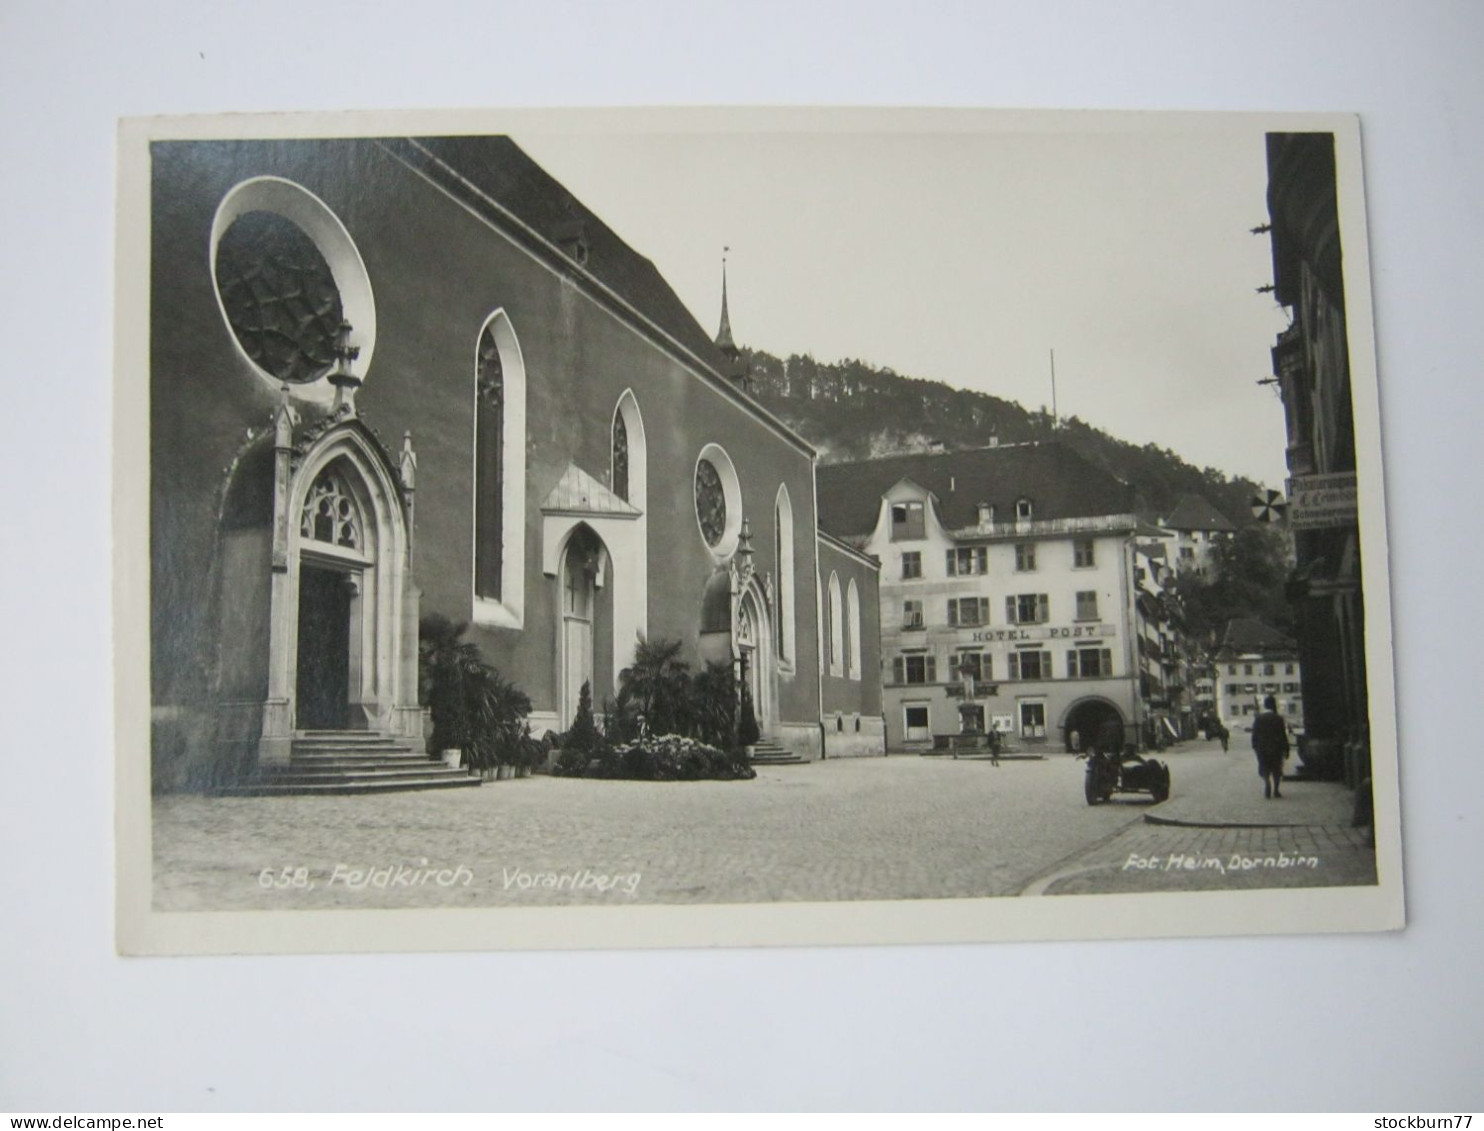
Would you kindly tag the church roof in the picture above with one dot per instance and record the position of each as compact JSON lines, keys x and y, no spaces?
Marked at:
{"x":577,"y":492}
{"x":502,"y":172}
{"x":1058,"y":482}
{"x":1194,"y":513}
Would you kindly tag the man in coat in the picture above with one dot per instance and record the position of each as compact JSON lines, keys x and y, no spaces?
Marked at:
{"x":1270,"y":741}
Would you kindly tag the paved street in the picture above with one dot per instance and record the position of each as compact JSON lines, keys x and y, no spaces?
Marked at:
{"x":903,"y":827}
{"x":1218,"y":833}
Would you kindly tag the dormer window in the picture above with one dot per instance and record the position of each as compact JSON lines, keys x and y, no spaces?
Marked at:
{"x":907,"y":523}
{"x":1023,"y":510}
{"x":986,"y":514}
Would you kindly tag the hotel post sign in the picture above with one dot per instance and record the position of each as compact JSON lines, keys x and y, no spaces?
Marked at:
{"x":1322,"y":502}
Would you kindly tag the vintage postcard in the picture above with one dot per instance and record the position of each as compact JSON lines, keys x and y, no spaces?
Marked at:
{"x":716,"y":528}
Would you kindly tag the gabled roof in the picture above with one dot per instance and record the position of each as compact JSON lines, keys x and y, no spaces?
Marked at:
{"x":1194,"y":513}
{"x":577,"y":492}
{"x":1058,"y":482}
{"x":1246,"y":635}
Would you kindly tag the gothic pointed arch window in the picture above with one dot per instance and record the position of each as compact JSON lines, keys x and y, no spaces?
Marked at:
{"x":331,"y":514}
{"x":499,"y":475}
{"x":853,"y":631}
{"x":628,"y":451}
{"x":620,"y":457}
{"x":837,"y":627}
{"x":783,"y":565}
{"x":489,"y":437}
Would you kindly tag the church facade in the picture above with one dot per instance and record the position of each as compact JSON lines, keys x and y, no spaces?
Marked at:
{"x":400,"y":377}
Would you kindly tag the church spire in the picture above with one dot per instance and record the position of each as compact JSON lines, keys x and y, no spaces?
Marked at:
{"x":736,"y":368}
{"x":724,"y":333}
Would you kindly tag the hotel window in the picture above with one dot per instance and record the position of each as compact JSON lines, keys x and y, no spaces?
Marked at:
{"x":911,"y":565}
{"x":916,"y":667}
{"x":915,"y":716}
{"x":975,"y":665}
{"x":1023,"y":510}
{"x":1269,"y":669}
{"x":1231,"y":669}
{"x":1089,"y":663}
{"x":1087,"y":604}
{"x":1287,"y":669}
{"x":1028,"y":608}
{"x":911,"y":614}
{"x":1233,"y":689}
{"x":1025,"y":557}
{"x":1246,"y":669}
{"x":968,"y":610}
{"x":1033,"y":720}
{"x":967,"y":561}
{"x":1030,"y":664}
{"x":1083,"y":555}
{"x":907,"y":523}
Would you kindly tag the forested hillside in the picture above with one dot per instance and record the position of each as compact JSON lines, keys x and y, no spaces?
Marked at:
{"x":853,"y":410}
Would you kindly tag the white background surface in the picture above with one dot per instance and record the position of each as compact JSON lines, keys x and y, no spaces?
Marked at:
{"x":1371,"y":1023}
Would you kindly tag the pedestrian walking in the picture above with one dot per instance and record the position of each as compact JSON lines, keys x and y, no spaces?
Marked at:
{"x":1270,"y":741}
{"x":1225,"y":736}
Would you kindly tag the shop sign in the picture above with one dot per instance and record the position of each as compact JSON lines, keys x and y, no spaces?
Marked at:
{"x":1043,"y":632}
{"x":1322,"y":502}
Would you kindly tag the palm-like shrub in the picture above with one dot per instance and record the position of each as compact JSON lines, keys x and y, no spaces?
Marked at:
{"x":657,"y":685}
{"x":474,"y":708}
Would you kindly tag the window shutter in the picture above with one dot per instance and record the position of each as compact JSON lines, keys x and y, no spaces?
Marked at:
{"x":899,"y":670}
{"x":986,"y":667}
{"x":951,"y":564}
{"x":932,"y":668}
{"x":1014,"y":665}
{"x":981,"y":559}
{"x":1043,"y":608}
{"x":1072,"y":664}
{"x":1009,"y":610}
{"x":983,"y":610}
{"x":952,"y":611}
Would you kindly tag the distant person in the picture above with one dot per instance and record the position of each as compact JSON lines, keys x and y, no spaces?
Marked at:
{"x":1270,"y":741}
{"x":1225,"y":736}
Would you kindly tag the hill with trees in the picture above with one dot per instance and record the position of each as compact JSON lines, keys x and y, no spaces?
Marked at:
{"x":852,"y":410}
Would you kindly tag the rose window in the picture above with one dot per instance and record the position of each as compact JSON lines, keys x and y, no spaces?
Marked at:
{"x":711,"y":503}
{"x":279,"y":296}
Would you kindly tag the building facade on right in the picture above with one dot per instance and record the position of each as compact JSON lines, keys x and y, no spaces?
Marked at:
{"x":1311,"y":362}
{"x":1253,"y":662}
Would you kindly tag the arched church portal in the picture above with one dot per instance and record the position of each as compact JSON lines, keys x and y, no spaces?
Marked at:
{"x":754,"y":649}
{"x":585,"y":618}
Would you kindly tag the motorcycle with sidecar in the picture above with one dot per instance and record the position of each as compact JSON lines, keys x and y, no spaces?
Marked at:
{"x":1126,"y":772}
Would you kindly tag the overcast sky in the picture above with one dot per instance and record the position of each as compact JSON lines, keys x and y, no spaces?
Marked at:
{"x":968,"y":258}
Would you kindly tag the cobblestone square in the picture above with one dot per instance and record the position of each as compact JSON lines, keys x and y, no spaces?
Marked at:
{"x":897,"y":828}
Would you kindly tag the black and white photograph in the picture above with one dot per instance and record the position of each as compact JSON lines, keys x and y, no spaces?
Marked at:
{"x":552,"y":529}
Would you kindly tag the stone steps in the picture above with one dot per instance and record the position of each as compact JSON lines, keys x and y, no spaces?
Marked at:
{"x":766,"y":752}
{"x":349,"y":762}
